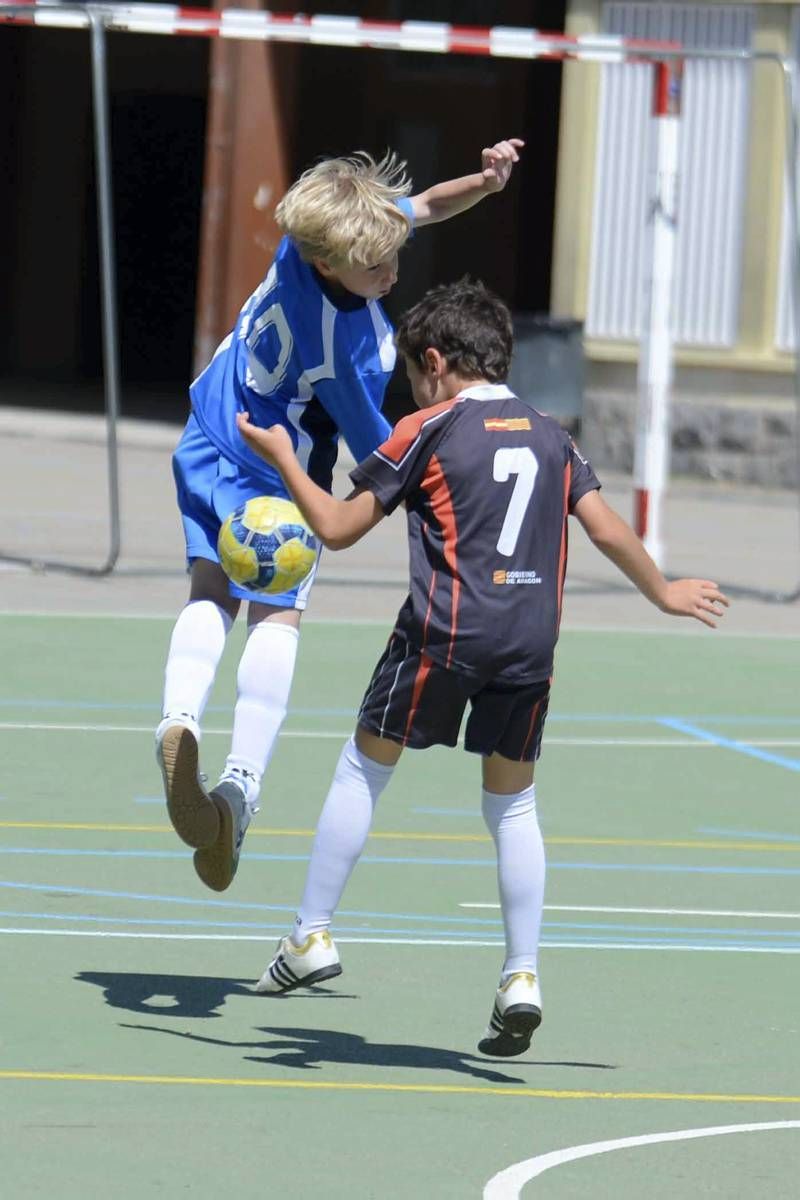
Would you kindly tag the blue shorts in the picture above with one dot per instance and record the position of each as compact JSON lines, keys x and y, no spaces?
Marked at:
{"x":210,"y":487}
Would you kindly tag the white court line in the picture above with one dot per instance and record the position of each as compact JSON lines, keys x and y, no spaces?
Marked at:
{"x":370,"y":622}
{"x":53,"y":727}
{"x":654,"y":912}
{"x":508,"y":1184}
{"x":383,"y":941}
{"x":626,"y":743}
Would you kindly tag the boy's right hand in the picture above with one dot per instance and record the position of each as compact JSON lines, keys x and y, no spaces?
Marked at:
{"x":273,"y":444}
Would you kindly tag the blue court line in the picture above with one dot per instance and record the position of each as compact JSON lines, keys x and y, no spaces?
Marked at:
{"x":673,"y":930}
{"x":751,"y":833}
{"x":250,"y":906}
{"x":667,"y":868}
{"x":213,"y":902}
{"x":576,"y":940}
{"x":154,"y":708}
{"x":253,"y":925}
{"x":48,"y":852}
{"x":589,"y":929}
{"x":350,"y":713}
{"x":704,"y":735}
{"x":385,"y":860}
{"x":175,"y":921}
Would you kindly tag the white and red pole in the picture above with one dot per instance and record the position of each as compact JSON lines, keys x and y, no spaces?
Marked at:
{"x":651,"y":453}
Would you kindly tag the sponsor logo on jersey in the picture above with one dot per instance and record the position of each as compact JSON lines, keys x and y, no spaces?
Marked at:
{"x":506,"y":577}
{"x":502,"y":424}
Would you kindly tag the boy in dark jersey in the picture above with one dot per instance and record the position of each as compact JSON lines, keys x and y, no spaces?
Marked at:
{"x":488,"y":484}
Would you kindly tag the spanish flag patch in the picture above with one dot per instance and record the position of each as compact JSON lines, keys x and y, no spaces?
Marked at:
{"x":500,"y":424}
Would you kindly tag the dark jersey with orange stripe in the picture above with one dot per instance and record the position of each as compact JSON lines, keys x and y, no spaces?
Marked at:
{"x":488,"y":483}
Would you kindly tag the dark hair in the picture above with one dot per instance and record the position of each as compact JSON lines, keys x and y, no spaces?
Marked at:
{"x":466,"y":323}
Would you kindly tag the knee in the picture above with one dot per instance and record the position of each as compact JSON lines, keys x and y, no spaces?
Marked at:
{"x":508,"y":808}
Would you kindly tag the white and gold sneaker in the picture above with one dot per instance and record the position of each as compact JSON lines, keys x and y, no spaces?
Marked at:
{"x":516,"y":1016}
{"x":300,"y":966}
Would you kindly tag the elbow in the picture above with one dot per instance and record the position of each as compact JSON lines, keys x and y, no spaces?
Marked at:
{"x":343,"y":541}
{"x":332,"y":540}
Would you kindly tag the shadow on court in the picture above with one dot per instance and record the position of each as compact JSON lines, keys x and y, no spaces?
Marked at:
{"x":309,"y":1049}
{"x":180,"y":995}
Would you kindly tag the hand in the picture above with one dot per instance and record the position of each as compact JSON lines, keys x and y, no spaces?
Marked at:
{"x":273,"y":444}
{"x":497,"y":163}
{"x":698,"y":598}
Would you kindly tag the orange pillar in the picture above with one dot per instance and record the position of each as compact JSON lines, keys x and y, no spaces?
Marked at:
{"x":245,"y":176}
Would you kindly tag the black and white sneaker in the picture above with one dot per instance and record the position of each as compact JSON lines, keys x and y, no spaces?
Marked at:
{"x":216,"y":864}
{"x":191,"y":809}
{"x":516,"y":1016}
{"x":300,"y":966}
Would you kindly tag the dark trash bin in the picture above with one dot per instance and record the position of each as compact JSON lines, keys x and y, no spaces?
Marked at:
{"x":547,"y":369}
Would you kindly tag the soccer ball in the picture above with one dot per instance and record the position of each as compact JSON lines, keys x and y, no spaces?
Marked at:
{"x":266,"y":546}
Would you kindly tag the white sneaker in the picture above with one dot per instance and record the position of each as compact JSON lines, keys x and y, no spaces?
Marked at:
{"x":189,"y":805}
{"x":300,"y":966}
{"x":516,"y":1015}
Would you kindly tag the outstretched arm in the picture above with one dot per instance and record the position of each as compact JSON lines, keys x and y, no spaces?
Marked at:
{"x":445,"y":200}
{"x":337,"y":523}
{"x":699,"y":598}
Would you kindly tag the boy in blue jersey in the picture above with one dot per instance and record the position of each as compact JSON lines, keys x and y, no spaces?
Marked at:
{"x":312,"y":350}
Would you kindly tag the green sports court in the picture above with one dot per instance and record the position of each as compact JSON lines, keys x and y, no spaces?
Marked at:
{"x":136,"y":1059}
{"x":135,"y":1050}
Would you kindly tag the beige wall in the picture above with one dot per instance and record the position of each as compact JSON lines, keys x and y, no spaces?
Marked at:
{"x":763,"y":200}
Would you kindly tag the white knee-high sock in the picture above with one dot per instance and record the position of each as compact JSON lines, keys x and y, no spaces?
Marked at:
{"x":263,"y":682}
{"x":195,"y":649}
{"x":341,"y":833}
{"x":513,"y":824}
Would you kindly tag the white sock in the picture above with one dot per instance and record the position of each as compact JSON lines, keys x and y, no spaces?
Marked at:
{"x":513,"y":824}
{"x":341,"y":833}
{"x":263,"y":682}
{"x":195,"y":649}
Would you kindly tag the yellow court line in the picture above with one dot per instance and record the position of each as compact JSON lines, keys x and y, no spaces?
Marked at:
{"x":428,"y":1088}
{"x":400,"y":836}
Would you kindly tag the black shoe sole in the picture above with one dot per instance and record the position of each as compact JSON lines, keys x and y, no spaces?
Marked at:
{"x":520,"y":1022}
{"x":309,"y":980}
{"x":191,"y":810}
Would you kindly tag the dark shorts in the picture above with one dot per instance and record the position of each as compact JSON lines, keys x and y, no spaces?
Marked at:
{"x":414,"y":701}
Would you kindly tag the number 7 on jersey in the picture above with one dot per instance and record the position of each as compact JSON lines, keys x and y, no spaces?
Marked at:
{"x":522,"y":462}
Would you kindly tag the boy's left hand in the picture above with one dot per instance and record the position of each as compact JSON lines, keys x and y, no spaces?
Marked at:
{"x":698,"y":598}
{"x":273,"y":444}
{"x":497,"y":162}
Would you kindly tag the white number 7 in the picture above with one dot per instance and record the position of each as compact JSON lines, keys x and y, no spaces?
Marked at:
{"x":522,"y":462}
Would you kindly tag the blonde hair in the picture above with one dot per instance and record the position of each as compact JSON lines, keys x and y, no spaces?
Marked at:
{"x":345,"y":211}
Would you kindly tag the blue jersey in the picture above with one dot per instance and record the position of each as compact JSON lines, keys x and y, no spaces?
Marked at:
{"x":302,"y":358}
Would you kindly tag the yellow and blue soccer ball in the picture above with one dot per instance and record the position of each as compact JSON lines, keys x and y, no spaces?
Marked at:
{"x":266,"y":546}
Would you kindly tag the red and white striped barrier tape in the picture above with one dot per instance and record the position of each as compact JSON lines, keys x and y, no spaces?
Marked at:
{"x":422,"y":36}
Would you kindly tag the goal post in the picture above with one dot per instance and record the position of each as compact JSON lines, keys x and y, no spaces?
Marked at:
{"x":666,"y":60}
{"x":95,"y":21}
{"x":651,"y":447}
